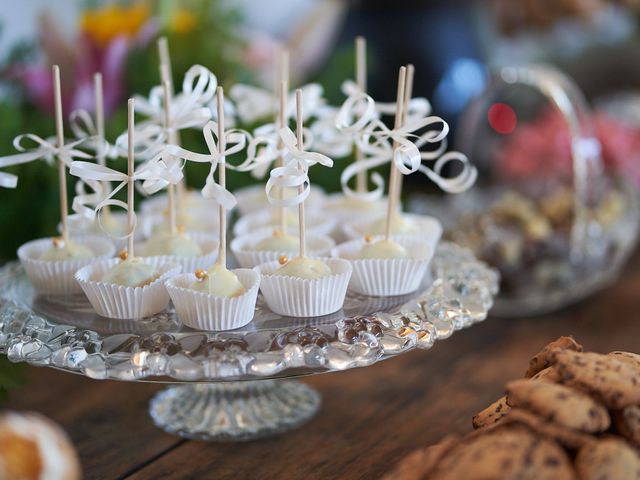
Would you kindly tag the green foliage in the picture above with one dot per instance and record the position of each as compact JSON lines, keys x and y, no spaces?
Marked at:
{"x":11,"y":376}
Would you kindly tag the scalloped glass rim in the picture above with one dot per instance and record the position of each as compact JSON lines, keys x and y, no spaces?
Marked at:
{"x":366,"y":331}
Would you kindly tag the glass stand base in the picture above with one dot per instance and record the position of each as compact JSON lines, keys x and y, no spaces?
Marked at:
{"x":235,"y":411}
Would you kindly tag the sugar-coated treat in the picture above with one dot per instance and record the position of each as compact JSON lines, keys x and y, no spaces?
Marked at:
{"x":302,"y":267}
{"x":179,"y":244}
{"x":278,"y":242}
{"x":384,"y":248}
{"x":33,"y":447}
{"x":131,"y":273}
{"x":61,"y":250}
{"x":218,"y":281}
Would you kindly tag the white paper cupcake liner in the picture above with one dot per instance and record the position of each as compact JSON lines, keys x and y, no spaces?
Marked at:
{"x":243,"y":248}
{"x":254,"y":198}
{"x":57,"y":277}
{"x":81,"y":226}
{"x":297,"y":297}
{"x":390,"y":276}
{"x":207,"y":244}
{"x":120,"y":302}
{"x":427,"y":228}
{"x":202,"y":311}
{"x":316,"y":222}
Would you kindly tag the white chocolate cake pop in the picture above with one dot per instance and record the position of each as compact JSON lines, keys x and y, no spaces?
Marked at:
{"x":399,"y":224}
{"x":382,"y":249}
{"x":278,"y":242}
{"x":130,"y":273}
{"x":61,"y":250}
{"x":218,"y":281}
{"x":303,"y":267}
{"x":178,"y":244}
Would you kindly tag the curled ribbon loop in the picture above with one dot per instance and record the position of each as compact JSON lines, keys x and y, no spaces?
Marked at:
{"x":328,"y":138}
{"x":152,"y":174}
{"x":295,"y":172}
{"x":234,"y":141}
{"x":83,"y":128}
{"x":31,"y":148}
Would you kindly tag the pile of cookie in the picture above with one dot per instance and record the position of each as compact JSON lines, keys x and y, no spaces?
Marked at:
{"x":575,"y":415}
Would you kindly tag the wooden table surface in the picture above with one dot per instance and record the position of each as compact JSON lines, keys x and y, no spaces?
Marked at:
{"x":369,"y":418}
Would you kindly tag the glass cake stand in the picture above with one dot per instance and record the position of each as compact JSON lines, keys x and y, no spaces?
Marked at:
{"x":236,"y":385}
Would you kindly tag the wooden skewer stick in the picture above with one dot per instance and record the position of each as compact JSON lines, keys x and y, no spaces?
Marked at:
{"x":171,"y":189}
{"x":361,"y":80}
{"x":393,"y":182}
{"x":408,"y":93}
{"x":130,"y":174}
{"x":62,"y":169}
{"x":283,"y":91}
{"x":301,"y":228}
{"x":101,"y":154}
{"x":166,"y":75}
{"x":222,"y":180}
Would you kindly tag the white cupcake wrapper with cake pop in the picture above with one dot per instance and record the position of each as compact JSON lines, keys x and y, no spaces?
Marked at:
{"x":298,"y":297}
{"x":316,"y":222}
{"x":203,"y":311}
{"x":427,"y":228}
{"x":254,"y":198}
{"x":57,"y":277}
{"x":121,"y":302}
{"x":158,"y":203}
{"x":79,"y":225}
{"x":243,"y":248}
{"x":343,"y":209}
{"x":207,"y":243}
{"x":203,"y":221}
{"x":385,"y":277}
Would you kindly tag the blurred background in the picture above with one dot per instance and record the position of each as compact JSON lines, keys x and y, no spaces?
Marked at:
{"x":453,"y":44}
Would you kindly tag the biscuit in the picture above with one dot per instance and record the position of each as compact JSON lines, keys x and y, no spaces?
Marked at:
{"x":560,"y":404}
{"x":491,"y":414}
{"x":549,"y":374}
{"x":419,"y":463}
{"x":508,"y":452}
{"x":609,"y":458}
{"x":629,"y":358}
{"x":612,"y":381}
{"x":627,"y":423}
{"x":540,"y":361}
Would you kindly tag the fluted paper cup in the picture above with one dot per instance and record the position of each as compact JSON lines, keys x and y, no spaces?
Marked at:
{"x":203,"y":311}
{"x":207,"y":244}
{"x":254,"y":198}
{"x":426,"y":227}
{"x":243,"y":248}
{"x":385,"y":277}
{"x":317,"y":222}
{"x":57,"y":277}
{"x":120,"y":302}
{"x":298,"y":297}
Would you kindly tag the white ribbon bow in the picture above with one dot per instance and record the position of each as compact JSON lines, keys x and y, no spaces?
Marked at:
{"x":253,"y":103}
{"x":294,"y":173}
{"x":41,"y":150}
{"x":83,"y":128}
{"x":233,"y":142}
{"x":154,"y":175}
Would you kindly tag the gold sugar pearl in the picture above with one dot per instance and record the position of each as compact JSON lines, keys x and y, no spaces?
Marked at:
{"x":368,"y":238}
{"x":180,"y":229}
{"x":123,"y":255}
{"x":57,"y":242}
{"x":283,"y":259}
{"x":200,"y":274}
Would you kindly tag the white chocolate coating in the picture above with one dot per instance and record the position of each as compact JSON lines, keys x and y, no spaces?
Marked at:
{"x":278,"y":242}
{"x":307,"y":268}
{"x":383,"y":249}
{"x":350,"y":203}
{"x":219,"y":282}
{"x":399,"y":224}
{"x":66,"y":251}
{"x":180,"y":245}
{"x":131,"y":273}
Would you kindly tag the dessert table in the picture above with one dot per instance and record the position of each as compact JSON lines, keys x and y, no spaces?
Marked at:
{"x":369,"y":419}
